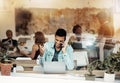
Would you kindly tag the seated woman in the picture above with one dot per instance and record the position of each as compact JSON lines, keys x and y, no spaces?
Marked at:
{"x":38,"y":47}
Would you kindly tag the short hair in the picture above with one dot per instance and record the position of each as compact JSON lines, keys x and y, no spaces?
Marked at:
{"x":75,"y":28}
{"x":9,"y":31}
{"x":61,"y":32}
{"x":39,"y":38}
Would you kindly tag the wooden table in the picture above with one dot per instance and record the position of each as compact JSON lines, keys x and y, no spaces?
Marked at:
{"x":27,"y":64}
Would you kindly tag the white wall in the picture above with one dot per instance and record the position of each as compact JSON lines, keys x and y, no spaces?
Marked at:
{"x":69,"y":3}
{"x":7,"y":18}
{"x":7,"y":21}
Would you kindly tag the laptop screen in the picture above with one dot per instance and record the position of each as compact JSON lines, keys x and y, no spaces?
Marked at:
{"x":54,"y":68}
{"x":76,"y":45}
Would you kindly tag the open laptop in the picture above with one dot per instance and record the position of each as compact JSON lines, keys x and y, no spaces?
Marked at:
{"x":77,"y":45}
{"x":54,"y":68}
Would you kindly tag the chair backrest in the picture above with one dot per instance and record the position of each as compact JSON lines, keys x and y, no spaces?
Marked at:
{"x":81,"y":57}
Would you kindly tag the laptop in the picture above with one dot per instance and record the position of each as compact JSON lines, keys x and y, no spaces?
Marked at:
{"x":54,"y":68}
{"x":77,"y":45}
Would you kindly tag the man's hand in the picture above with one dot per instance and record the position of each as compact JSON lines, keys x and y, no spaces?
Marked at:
{"x":42,"y":49}
{"x":64,"y":48}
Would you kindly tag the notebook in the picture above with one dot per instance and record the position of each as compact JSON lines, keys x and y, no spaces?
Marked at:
{"x":76,"y":45}
{"x":54,"y":68}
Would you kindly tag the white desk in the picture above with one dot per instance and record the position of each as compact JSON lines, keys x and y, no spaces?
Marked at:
{"x":12,"y":79}
{"x":54,"y":78}
{"x":39,"y":77}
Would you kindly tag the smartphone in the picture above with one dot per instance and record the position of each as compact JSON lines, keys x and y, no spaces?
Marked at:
{"x":61,"y":45}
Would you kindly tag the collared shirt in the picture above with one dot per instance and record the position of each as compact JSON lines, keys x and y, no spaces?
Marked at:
{"x":49,"y":54}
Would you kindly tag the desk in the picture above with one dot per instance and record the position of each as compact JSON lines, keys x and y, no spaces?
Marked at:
{"x":70,"y":77}
{"x":14,"y":79}
{"x":27,"y":64}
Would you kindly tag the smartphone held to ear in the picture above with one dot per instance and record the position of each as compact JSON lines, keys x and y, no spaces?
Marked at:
{"x":61,"y":45}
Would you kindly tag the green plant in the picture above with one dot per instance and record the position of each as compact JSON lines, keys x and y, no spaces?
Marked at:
{"x":4,"y":54}
{"x":94,"y":65}
{"x":112,"y":63}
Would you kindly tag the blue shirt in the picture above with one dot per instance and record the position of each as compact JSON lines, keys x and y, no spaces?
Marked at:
{"x":67,"y":57}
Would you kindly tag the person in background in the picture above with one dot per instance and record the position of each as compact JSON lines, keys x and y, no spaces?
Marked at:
{"x":76,"y":37}
{"x":105,"y":34}
{"x":77,"y":30}
{"x":59,"y":50}
{"x":12,"y":44}
{"x":38,"y":47}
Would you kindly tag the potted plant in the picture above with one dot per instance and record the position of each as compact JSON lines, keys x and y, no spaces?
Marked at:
{"x":112,"y":65}
{"x":5,"y":61}
{"x":96,"y":64}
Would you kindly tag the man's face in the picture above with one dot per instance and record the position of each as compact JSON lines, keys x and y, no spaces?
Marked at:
{"x":78,"y":31}
{"x":58,"y":41}
{"x":9,"y":35}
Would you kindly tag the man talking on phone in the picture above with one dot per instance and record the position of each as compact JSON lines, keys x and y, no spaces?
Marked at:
{"x":58,"y":50}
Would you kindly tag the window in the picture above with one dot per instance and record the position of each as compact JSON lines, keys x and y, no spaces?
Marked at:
{"x":117,"y":5}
